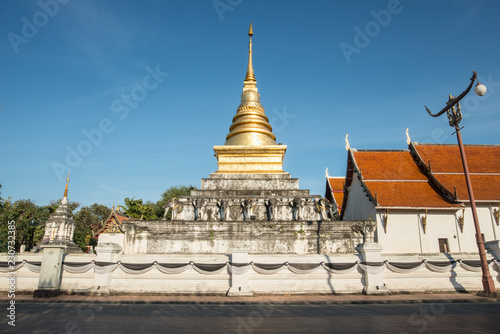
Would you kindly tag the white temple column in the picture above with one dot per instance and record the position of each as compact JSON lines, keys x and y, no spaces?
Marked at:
{"x":239,"y":281}
{"x":374,"y":282}
{"x":106,"y":252}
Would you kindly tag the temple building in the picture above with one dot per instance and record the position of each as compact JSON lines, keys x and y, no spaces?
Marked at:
{"x":419,"y":198}
{"x":249,"y":202}
{"x":112,"y":228}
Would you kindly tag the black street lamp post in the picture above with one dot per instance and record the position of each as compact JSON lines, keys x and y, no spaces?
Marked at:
{"x":453,"y":111}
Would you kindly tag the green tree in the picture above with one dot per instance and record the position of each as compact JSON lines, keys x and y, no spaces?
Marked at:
{"x":135,"y":208}
{"x":88,"y":220}
{"x":30,"y":222}
{"x":172,"y":192}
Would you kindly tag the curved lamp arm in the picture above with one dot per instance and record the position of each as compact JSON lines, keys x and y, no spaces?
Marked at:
{"x":451,"y":103}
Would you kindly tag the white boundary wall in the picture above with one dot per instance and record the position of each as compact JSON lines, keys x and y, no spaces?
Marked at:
{"x":283,"y":281}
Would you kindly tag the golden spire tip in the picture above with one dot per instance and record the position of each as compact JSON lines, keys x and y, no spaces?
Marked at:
{"x":250,"y":77}
{"x":66,"y":189}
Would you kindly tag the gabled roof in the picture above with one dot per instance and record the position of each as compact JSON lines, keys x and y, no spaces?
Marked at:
{"x":392,"y":179}
{"x":335,"y":190}
{"x":443,"y":163}
{"x":114,"y":223}
{"x":424,"y":176}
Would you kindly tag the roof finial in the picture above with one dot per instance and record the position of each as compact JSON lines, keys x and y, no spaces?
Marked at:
{"x":66,"y":189}
{"x":250,"y":77}
{"x":408,"y":140}
{"x":347,"y":146}
{"x":326,"y":173}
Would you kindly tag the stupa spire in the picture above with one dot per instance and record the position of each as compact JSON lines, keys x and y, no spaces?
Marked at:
{"x":250,"y":145}
{"x":250,"y":81}
{"x":65,"y":197}
{"x":250,"y":124}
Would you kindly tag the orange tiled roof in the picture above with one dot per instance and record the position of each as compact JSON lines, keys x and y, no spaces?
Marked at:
{"x":408,"y":194}
{"x":485,"y":187}
{"x":446,"y":167}
{"x":121,"y":217}
{"x":387,"y":165}
{"x":393,"y":179}
{"x":446,"y":158}
{"x":337,"y":187}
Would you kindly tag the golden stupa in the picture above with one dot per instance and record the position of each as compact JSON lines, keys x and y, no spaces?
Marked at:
{"x":250,"y":145}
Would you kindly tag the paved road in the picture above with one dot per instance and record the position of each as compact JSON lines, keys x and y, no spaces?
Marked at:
{"x":181,"y":318}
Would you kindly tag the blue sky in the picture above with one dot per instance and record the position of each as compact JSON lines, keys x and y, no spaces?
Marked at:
{"x":83,"y":69}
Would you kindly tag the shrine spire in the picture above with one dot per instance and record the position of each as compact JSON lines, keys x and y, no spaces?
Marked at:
{"x":65,"y":197}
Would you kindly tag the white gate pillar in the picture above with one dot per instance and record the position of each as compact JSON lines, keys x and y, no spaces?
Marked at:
{"x":106,"y":252}
{"x":374,"y":278}
{"x":239,"y":276}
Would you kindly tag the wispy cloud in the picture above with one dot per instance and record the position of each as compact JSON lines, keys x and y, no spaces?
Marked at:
{"x":110,"y":93}
{"x":113,"y":189}
{"x":97,"y":28}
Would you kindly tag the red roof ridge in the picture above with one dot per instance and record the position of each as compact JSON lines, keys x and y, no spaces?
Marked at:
{"x":455,"y":207}
{"x":427,"y":171}
{"x":384,"y":180}
{"x":461,"y":173}
{"x":382,"y":151}
{"x":470,"y":145}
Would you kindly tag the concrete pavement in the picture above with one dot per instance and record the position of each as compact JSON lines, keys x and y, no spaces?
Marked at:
{"x":265,"y":299}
